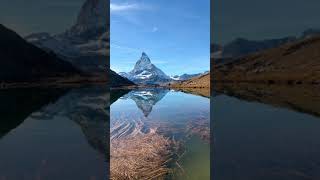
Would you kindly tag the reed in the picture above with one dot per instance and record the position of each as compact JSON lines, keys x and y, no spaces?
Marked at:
{"x":142,"y":156}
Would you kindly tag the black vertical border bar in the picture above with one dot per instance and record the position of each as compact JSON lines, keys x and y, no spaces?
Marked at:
{"x":109,"y":90}
{"x":211,"y":95}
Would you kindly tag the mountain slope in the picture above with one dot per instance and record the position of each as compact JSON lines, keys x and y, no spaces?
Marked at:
{"x":241,"y":47}
{"x":22,"y":61}
{"x":296,"y":62}
{"x":202,"y":81}
{"x":184,"y":77}
{"x":115,"y":80}
{"x":86,"y":43}
{"x":144,"y":72}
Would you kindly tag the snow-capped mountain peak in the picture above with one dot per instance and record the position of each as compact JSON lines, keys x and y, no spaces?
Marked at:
{"x":144,"y":58}
{"x":184,"y":77}
{"x":143,"y":63}
{"x":144,"y":72}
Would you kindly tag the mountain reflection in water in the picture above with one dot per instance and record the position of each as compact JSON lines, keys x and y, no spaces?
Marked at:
{"x":17,"y":104}
{"x":146,"y":99}
{"x":157,"y":132}
{"x":266,"y":132}
{"x":301,"y":98}
{"x":56,"y":129}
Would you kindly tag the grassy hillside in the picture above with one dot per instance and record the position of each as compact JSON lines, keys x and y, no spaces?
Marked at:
{"x":196,"y":82}
{"x":292,"y":63}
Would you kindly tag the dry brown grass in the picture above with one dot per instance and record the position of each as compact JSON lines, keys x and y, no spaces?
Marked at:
{"x":293,"y":63}
{"x":196,"y":82}
{"x":199,"y":127}
{"x":142,"y":156}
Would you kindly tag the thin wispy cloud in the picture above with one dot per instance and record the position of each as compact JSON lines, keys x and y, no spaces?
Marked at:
{"x":129,"y":11}
{"x":124,"y":7}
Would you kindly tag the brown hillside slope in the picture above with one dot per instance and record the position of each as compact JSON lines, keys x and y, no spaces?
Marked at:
{"x":196,"y":82}
{"x":297,"y":62}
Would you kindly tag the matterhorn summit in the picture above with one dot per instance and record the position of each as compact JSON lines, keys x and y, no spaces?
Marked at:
{"x":92,"y":20}
{"x":144,"y":72}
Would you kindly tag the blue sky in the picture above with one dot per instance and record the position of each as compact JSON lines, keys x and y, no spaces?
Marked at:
{"x":175,"y":34}
{"x":31,"y":16}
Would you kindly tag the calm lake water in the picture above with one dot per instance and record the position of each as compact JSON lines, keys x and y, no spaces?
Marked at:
{"x":261,"y":135}
{"x":54,"y":134}
{"x":178,"y":116}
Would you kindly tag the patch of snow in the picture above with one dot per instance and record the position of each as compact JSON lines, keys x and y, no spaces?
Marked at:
{"x":176,"y":78}
{"x":143,"y":75}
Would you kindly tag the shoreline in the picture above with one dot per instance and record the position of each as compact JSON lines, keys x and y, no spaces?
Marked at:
{"x":200,"y":91}
{"x":164,"y":87}
{"x":267,"y":82}
{"x":47,"y":83}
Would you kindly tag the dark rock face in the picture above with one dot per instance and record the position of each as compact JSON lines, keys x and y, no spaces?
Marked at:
{"x":92,"y":20}
{"x":22,"y":61}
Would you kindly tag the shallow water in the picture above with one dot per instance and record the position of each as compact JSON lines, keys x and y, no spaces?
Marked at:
{"x":176,"y":115}
{"x":196,"y":163}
